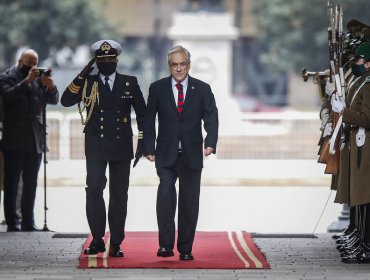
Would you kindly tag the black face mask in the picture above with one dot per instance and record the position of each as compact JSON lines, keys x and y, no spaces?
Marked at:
{"x":24,"y":70}
{"x":358,"y":70}
{"x":107,"y":68}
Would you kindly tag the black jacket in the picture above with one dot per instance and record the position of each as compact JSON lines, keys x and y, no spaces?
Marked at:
{"x":199,"y":105}
{"x":23,"y":106}
{"x":108,"y":133}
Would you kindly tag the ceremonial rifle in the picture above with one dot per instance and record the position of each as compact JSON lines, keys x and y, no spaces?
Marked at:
{"x":335,"y":39}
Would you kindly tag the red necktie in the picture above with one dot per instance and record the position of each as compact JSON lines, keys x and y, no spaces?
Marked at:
{"x":180,"y":98}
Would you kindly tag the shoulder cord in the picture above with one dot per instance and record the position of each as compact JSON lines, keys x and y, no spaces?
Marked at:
{"x":88,"y":101}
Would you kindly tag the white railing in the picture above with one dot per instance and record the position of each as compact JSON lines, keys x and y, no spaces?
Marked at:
{"x":277,"y":135}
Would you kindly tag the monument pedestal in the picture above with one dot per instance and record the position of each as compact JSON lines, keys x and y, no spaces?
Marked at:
{"x":208,"y":36}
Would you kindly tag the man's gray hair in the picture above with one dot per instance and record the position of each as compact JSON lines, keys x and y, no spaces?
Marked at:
{"x":178,"y":49}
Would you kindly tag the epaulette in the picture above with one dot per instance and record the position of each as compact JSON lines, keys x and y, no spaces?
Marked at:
{"x":367,"y":79}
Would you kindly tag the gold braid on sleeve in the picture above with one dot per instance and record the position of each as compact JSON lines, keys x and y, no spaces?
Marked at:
{"x":88,"y":101}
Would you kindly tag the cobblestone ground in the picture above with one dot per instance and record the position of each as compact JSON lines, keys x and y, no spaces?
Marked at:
{"x":40,"y":256}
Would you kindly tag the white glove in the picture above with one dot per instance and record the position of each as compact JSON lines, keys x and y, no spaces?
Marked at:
{"x":324,"y":116}
{"x":337,"y":104}
{"x":328,"y":129}
{"x":329,"y":88}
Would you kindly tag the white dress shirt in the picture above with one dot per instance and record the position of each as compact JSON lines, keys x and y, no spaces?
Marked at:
{"x":111,"y":77}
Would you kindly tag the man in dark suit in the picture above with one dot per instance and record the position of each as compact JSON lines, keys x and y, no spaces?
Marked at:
{"x":108,"y":97}
{"x":181,"y":103}
{"x":25,"y":92}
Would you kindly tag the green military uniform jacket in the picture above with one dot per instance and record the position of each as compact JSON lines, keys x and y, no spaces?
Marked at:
{"x":357,"y":114}
{"x":342,"y":195}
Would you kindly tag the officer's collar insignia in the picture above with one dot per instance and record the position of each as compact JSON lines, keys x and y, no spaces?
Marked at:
{"x":367,"y":79}
{"x":105,"y":47}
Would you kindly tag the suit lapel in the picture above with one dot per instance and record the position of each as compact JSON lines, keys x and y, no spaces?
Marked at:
{"x":170,"y":94}
{"x":117,"y":81}
{"x":189,"y":93}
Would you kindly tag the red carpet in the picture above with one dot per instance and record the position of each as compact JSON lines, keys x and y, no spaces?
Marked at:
{"x":211,"y":250}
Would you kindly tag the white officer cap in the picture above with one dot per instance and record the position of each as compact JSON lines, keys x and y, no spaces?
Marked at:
{"x":104,"y":48}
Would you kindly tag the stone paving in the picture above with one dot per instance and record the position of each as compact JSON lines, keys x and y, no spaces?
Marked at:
{"x":40,"y":256}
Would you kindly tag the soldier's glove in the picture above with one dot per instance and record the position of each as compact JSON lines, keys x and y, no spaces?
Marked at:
{"x":329,"y":88}
{"x":139,"y":149}
{"x":328,"y":129}
{"x":336,"y":104}
{"x":324,"y":116}
{"x":87,"y":70}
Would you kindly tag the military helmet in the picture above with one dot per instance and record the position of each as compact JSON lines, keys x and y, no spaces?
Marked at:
{"x":363,"y":50}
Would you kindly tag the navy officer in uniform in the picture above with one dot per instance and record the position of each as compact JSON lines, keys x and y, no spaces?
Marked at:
{"x":108,"y":98}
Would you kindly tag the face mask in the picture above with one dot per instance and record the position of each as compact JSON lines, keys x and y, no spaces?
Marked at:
{"x":107,"y":68}
{"x":24,"y":70}
{"x":358,"y":70}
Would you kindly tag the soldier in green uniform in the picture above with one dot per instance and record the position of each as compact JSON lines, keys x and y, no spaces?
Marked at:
{"x":348,"y":242}
{"x":357,"y":115}
{"x":1,"y":152}
{"x":352,"y":39}
{"x":108,"y":98}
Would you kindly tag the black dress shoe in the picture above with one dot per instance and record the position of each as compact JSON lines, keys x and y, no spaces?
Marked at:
{"x":96,"y":246}
{"x":12,"y":229}
{"x":30,"y":228}
{"x":165,"y":252}
{"x":186,"y":257}
{"x":115,"y":251}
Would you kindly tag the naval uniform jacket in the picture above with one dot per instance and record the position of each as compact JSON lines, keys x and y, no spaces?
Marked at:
{"x":185,"y":127}
{"x":23,"y":106}
{"x":108,"y":133}
{"x":358,"y":115}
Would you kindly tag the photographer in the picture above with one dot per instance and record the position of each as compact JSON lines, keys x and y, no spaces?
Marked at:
{"x":25,"y":89}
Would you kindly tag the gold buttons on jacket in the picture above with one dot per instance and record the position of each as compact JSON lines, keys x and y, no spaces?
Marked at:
{"x":125,"y":120}
{"x":102,"y":111}
{"x":101,"y":119}
{"x":101,"y":135}
{"x":101,"y":127}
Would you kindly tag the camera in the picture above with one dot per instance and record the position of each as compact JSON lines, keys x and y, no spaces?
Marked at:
{"x":44,"y":71}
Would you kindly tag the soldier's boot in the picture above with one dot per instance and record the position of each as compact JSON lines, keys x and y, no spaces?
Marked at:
{"x":364,"y":256}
